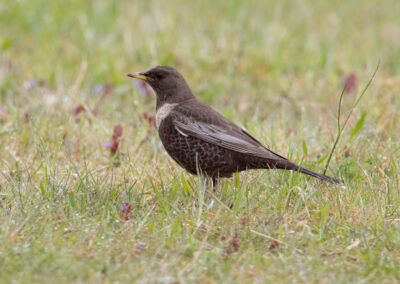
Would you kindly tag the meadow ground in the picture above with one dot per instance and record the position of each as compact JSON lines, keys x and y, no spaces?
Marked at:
{"x":72,"y":211}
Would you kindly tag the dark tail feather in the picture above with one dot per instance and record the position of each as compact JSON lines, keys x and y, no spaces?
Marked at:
{"x":287,"y":165}
{"x":317,"y":175}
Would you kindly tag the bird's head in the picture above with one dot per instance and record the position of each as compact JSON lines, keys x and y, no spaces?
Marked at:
{"x":167,"y":82}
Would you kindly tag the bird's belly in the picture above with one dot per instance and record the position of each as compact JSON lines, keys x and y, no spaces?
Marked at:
{"x":194,"y":154}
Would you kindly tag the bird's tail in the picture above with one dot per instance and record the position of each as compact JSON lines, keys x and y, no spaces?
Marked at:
{"x":287,"y":165}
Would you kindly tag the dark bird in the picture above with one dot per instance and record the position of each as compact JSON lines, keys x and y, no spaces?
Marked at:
{"x":200,"y":139}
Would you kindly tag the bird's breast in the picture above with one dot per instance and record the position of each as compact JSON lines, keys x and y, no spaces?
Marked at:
{"x":163,"y":112}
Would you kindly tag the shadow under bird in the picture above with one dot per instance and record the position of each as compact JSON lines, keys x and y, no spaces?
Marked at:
{"x":200,"y":139}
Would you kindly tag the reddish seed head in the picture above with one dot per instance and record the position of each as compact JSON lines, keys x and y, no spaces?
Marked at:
{"x":116,"y":137}
{"x":79,"y":109}
{"x":350,"y":82}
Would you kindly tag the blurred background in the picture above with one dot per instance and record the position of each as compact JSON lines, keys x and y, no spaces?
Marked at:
{"x":222,"y":47}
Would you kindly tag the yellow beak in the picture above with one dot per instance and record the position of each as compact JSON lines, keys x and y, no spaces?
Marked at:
{"x":139,"y":76}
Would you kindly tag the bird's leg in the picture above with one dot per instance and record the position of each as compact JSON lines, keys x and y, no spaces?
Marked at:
{"x":206,"y":193}
{"x":205,"y":182}
{"x":214,"y":183}
{"x":213,"y":180}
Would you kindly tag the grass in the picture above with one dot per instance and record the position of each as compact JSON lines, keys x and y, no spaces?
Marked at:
{"x":71,"y":212}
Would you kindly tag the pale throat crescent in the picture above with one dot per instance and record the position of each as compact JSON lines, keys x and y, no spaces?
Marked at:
{"x":163,"y":112}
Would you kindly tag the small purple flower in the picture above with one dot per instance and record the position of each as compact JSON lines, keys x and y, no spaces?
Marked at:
{"x":124,"y":206}
{"x":107,"y":145}
{"x":97,"y":89}
{"x":3,"y":109}
{"x":30,"y":83}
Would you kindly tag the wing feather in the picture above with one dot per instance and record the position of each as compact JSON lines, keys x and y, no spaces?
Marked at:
{"x":224,"y":134}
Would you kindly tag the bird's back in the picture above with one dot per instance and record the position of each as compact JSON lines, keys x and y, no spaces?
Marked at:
{"x":194,"y":151}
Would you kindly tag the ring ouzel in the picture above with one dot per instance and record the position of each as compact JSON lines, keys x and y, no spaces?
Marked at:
{"x":200,"y":139}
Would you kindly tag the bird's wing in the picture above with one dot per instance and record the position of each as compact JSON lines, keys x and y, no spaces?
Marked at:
{"x":210,"y":126}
